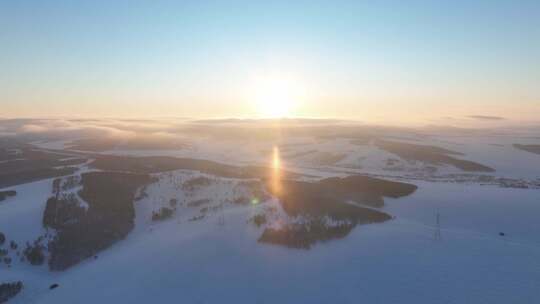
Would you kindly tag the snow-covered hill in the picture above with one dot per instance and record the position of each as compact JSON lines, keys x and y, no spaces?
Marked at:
{"x":396,"y":217}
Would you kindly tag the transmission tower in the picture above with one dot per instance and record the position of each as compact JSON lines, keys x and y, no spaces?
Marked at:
{"x":221,"y":219}
{"x":437,"y":235}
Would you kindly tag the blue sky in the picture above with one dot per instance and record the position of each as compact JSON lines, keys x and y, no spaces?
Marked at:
{"x":354,"y":59}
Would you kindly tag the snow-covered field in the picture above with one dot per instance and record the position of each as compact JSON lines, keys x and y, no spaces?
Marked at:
{"x":399,"y":261}
{"x":484,"y":249}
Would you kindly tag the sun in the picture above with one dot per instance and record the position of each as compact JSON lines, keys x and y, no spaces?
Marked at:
{"x":275,"y":97}
{"x":274,"y":100}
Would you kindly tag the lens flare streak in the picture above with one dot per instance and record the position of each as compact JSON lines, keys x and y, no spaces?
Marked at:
{"x":276,"y":172}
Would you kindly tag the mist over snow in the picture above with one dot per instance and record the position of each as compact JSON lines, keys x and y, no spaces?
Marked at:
{"x":266,"y":210}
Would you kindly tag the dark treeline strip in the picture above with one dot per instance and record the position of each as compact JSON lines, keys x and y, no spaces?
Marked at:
{"x":430,"y":154}
{"x":109,"y":217}
{"x":156,"y":164}
{"x":332,"y":198}
{"x":529,"y":148}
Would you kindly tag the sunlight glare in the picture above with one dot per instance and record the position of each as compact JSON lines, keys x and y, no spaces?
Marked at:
{"x":275,"y":179}
{"x":276,"y":162}
{"x":276,"y":97}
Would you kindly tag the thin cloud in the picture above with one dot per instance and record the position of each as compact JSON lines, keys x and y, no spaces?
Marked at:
{"x":486,"y":117}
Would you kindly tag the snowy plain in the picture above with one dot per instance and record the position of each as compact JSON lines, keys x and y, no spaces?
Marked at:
{"x":217,"y":259}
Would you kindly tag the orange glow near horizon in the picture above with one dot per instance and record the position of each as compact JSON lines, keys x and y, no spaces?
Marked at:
{"x":276,"y":161}
{"x":276,"y":172}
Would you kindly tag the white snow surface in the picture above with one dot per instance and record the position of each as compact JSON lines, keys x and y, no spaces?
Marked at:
{"x":217,"y":259}
{"x":176,"y":260}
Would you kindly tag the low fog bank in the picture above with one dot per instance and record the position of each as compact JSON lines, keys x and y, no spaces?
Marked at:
{"x":63,"y":129}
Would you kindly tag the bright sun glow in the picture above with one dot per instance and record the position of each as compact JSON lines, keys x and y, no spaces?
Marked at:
{"x":276,"y":160}
{"x":275,"y":97}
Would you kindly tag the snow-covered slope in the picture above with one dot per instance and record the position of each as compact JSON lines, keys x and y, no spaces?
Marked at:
{"x":218,"y":257}
{"x":399,"y":261}
{"x":196,"y":239}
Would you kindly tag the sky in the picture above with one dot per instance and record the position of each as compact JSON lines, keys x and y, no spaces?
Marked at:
{"x":381,"y":61}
